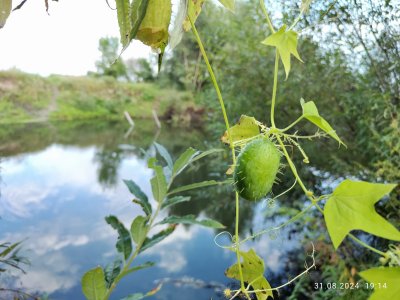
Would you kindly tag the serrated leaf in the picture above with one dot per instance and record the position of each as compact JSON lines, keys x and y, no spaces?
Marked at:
{"x":164,"y":154}
{"x":174,"y":200}
{"x":142,"y":200}
{"x":94,"y":284}
{"x":389,"y":276}
{"x":111,"y":271}
{"x":150,"y":242}
{"x":253,"y":271}
{"x":124,"y":22}
{"x":351,"y":207}
{"x":183,"y":160}
{"x":286,"y":44}
{"x":197,"y":186}
{"x":191,"y":219}
{"x":229,"y":4}
{"x":310,"y":112}
{"x":193,"y":10}
{"x":138,"y":12}
{"x":140,"y":267}
{"x":5,"y":10}
{"x":124,"y":243}
{"x":139,"y":228}
{"x":244,"y":129}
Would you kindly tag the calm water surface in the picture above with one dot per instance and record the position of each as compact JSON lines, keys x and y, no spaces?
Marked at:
{"x":59,"y":181}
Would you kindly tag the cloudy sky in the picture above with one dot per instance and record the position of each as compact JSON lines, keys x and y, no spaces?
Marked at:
{"x":63,"y":42}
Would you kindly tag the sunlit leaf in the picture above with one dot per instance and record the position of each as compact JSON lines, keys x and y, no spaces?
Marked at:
{"x":138,"y":12}
{"x":197,"y":185}
{"x":191,"y":219}
{"x":286,"y":44}
{"x":124,"y":243}
{"x":229,"y":4}
{"x":253,"y":271}
{"x":140,"y":267}
{"x":386,"y":282}
{"x":139,"y":228}
{"x":5,"y":10}
{"x":165,"y":154}
{"x":124,"y":21}
{"x":94,"y":284}
{"x":244,"y":129}
{"x":112,"y":270}
{"x":194,"y":9}
{"x":174,"y":200}
{"x":142,"y":199}
{"x":158,"y":182}
{"x":183,"y":160}
{"x":351,"y":207}
{"x":310,"y":112}
{"x":150,"y":242}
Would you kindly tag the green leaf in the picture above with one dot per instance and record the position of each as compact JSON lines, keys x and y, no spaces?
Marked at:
{"x":159,"y":184}
{"x":139,"y":228}
{"x":124,"y":22}
{"x":142,"y":200}
{"x":112,"y":270}
{"x":252,"y":271}
{"x":138,"y":12}
{"x":191,"y":219}
{"x":286,"y":44}
{"x":139,"y":296}
{"x":205,"y":153}
{"x":193,"y":10}
{"x":174,"y":200}
{"x":5,"y":10}
{"x":246,"y":128}
{"x":140,"y":267}
{"x":310,"y":112}
{"x":351,"y":207}
{"x":124,"y":243}
{"x":165,"y":154}
{"x":229,"y":4}
{"x":150,"y":242}
{"x":94,"y":284}
{"x":8,"y":249}
{"x":197,"y":185}
{"x":183,"y":160}
{"x":381,"y":277}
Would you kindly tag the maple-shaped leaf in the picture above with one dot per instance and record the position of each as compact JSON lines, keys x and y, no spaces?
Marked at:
{"x":351,"y":207}
{"x":286,"y":44}
{"x":253,"y":272}
{"x":246,"y":128}
{"x":386,"y":282}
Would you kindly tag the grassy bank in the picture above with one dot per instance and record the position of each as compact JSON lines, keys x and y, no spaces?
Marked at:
{"x":29,"y":98}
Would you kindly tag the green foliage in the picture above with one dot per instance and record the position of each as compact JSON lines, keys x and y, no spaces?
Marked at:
{"x":351,"y":207}
{"x":386,"y":282}
{"x":191,"y":219}
{"x":139,"y":229}
{"x":5,"y":11}
{"x":109,"y":63}
{"x":229,"y":4}
{"x":124,"y":243}
{"x":245,"y":128}
{"x":193,"y":11}
{"x":94,"y":284}
{"x":124,"y":21}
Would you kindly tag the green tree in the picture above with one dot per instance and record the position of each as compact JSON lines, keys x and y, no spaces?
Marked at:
{"x":109,"y":63}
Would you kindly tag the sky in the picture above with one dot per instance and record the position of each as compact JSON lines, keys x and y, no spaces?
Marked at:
{"x":63,"y":42}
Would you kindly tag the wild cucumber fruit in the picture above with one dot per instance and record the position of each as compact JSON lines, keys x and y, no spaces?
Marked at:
{"x":256,"y":169}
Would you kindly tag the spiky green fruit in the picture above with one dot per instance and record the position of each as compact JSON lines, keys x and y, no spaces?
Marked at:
{"x":256,"y":169}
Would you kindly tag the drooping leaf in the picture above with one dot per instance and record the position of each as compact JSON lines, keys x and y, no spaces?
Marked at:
{"x":194,"y":9}
{"x":351,"y":207}
{"x":112,"y":270}
{"x":165,"y":154}
{"x":159,"y":185}
{"x":138,"y":12}
{"x":183,"y":160}
{"x":5,"y":10}
{"x":174,"y":200}
{"x":229,"y":4}
{"x":139,"y":296}
{"x":124,"y":243}
{"x":246,"y":128}
{"x":153,"y":30}
{"x":198,"y":185}
{"x":253,"y":271}
{"x":124,"y":21}
{"x":139,"y":228}
{"x":310,"y":112}
{"x":142,"y":199}
{"x":150,"y":242}
{"x":191,"y":219}
{"x":386,"y":282}
{"x":140,"y":267}
{"x":94,"y":284}
{"x":286,"y":44}
{"x":177,"y":30}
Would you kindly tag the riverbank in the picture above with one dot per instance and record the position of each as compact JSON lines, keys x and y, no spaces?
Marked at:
{"x":31,"y":98}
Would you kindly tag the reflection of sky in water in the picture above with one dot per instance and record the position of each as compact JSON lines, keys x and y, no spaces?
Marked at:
{"x":54,"y":201}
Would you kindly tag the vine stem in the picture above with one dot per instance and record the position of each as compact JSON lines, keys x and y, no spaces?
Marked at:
{"x":264,"y":9}
{"x":222,"y":104}
{"x":274,"y":89}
